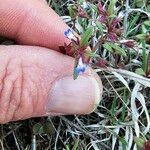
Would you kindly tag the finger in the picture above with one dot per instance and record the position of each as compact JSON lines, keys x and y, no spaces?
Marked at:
{"x":37,"y":81}
{"x":32,"y":22}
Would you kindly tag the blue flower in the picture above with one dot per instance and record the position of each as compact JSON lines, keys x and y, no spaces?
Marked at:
{"x":69,"y":34}
{"x":81,"y":67}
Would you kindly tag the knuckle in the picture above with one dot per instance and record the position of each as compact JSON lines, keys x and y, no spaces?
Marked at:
{"x":16,"y":92}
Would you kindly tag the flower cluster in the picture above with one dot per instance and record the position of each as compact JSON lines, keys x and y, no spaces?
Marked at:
{"x":77,"y":51}
{"x":111,"y":24}
{"x":110,"y":37}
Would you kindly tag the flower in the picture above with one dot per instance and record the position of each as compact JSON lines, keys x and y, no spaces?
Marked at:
{"x":81,"y":67}
{"x":121,"y":14}
{"x":69,"y":34}
{"x":102,"y":19}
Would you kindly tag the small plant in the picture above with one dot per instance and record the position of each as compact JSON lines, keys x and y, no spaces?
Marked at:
{"x":111,"y":44}
{"x":109,"y":32}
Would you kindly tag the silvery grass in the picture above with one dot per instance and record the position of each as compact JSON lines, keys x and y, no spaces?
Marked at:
{"x":109,"y":131}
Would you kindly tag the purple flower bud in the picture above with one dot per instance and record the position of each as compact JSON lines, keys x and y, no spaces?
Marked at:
{"x":102,"y":19}
{"x":82,"y":13}
{"x":81,"y":67}
{"x":112,"y":36}
{"x":101,"y":10}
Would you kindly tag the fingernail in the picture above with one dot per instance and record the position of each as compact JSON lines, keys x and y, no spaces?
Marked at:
{"x":80,"y":96}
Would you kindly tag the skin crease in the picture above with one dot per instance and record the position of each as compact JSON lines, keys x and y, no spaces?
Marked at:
{"x":33,"y":77}
{"x":27,"y":73}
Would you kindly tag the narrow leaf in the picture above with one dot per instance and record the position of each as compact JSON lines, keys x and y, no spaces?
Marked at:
{"x":141,"y":36}
{"x":92,"y":54}
{"x":75,"y":147}
{"x":118,"y":49}
{"x":75,"y":74}
{"x":86,"y":36}
{"x":111,"y":7}
{"x":140,"y":71}
{"x":147,"y":23}
{"x":145,"y":60}
{"x":139,"y":141}
{"x":100,"y":27}
{"x":37,"y":129}
{"x":107,"y":47}
{"x":72,"y":12}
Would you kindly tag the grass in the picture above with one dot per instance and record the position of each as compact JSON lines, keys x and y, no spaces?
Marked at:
{"x":122,"y":119}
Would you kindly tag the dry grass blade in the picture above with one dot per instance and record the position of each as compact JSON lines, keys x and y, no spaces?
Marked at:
{"x":83,"y":131}
{"x":130,"y":75}
{"x":122,"y":80}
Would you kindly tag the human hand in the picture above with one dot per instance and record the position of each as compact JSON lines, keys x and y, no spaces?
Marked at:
{"x":35,"y":79}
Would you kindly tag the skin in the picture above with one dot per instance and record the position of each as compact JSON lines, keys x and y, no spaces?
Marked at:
{"x":30,"y":71}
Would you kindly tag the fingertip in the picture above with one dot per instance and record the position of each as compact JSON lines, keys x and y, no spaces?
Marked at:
{"x":69,"y":96}
{"x":32,"y":23}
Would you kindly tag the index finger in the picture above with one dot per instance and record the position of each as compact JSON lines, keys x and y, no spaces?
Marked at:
{"x":32,"y":22}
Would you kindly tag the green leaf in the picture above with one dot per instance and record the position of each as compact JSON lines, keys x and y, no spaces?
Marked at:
{"x":139,"y":142}
{"x":145,"y":60}
{"x":94,"y":7}
{"x":141,"y":36}
{"x":139,"y":3}
{"x":67,"y":147}
{"x":110,"y":46}
{"x":107,"y":47}
{"x":37,"y":129}
{"x":92,"y":54}
{"x":86,"y":36}
{"x":80,"y":2}
{"x":118,"y":49}
{"x":113,"y":106}
{"x":131,"y":22}
{"x":111,"y":7}
{"x":100,"y":27}
{"x":75,"y":147}
{"x":72,"y":12}
{"x":140,"y":71}
{"x":147,"y":23}
{"x":56,"y":7}
{"x":48,"y":128}
{"x":148,"y":8}
{"x":124,"y":143}
{"x":75,"y":75}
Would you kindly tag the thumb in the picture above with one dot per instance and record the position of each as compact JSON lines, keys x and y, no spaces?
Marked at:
{"x":37,"y":81}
